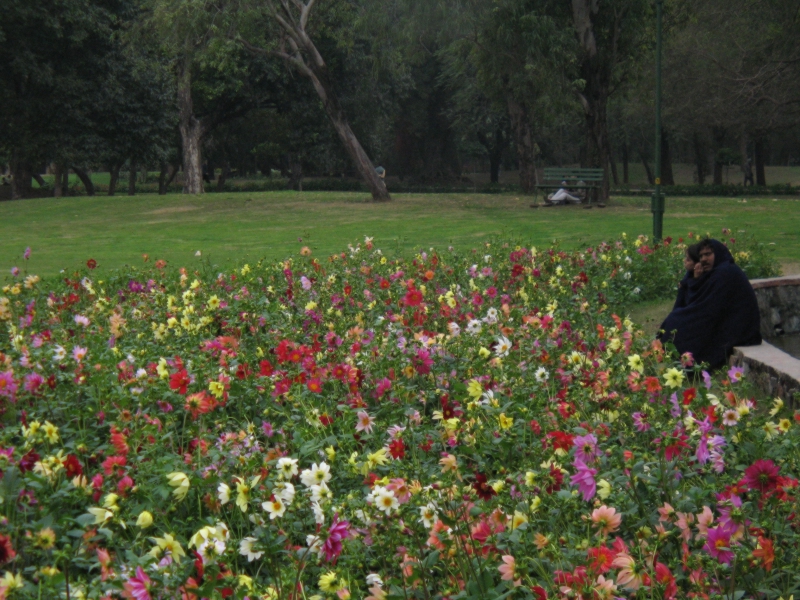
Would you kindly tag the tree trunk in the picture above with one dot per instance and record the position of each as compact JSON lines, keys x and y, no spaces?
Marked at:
{"x":295,"y":173}
{"x":699,"y":158}
{"x":625,"y":175}
{"x":719,"y":141}
{"x":65,"y":183}
{"x":58,"y":180}
{"x":494,"y":148}
{"x":613,"y":164}
{"x":667,"y":176}
{"x":38,"y":179}
{"x":192,"y":131}
{"x":132,"y":179}
{"x":224,"y":172}
{"x":86,"y":180}
{"x":162,"y":179}
{"x":650,"y":178}
{"x":520,"y":124}
{"x":362,"y":163}
{"x":113,"y":178}
{"x":758,"y":151}
{"x":20,"y":178}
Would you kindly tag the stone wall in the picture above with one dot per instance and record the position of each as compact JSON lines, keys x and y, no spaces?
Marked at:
{"x":779,"y":303}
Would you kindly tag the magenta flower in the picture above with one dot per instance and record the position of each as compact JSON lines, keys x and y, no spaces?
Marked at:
{"x":27,"y":254}
{"x":584,"y":479}
{"x":586,"y":448}
{"x":33,"y":381}
{"x":138,"y":586}
{"x":384,"y":385}
{"x":718,"y":544}
{"x":640,"y":422}
{"x":340,"y":530}
{"x":735,"y":374}
{"x":422,"y":362}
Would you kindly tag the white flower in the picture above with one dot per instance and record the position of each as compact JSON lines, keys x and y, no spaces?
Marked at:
{"x":314,"y":543}
{"x":627,"y":275}
{"x":319,"y":515}
{"x":287,"y":467}
{"x":491,"y":316}
{"x":285,"y":491}
{"x":454,"y":329}
{"x":503,"y":346}
{"x":246,"y":549}
{"x":275,"y":508}
{"x":637,"y":290}
{"x":428,"y":514}
{"x":211,"y":549}
{"x":541,"y":375}
{"x":223,"y":493}
{"x":59,"y":354}
{"x":316,"y":474}
{"x":321,"y":492}
{"x":474,"y":327}
{"x":384,"y":499}
{"x":374,"y":579}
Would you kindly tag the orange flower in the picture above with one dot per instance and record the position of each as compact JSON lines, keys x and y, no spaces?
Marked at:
{"x":765,"y":552}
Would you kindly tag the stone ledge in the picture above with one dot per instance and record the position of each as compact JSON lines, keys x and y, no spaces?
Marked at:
{"x":774,"y":371}
{"x":759,"y":284}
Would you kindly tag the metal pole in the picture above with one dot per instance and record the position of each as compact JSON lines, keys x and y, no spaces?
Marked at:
{"x":658,"y":197}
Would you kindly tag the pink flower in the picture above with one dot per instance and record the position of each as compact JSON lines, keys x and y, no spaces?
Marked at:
{"x":704,"y":521}
{"x":422,"y":362}
{"x":33,"y":381}
{"x":584,"y":479}
{"x":383,"y":386}
{"x":607,"y":519}
{"x":401,"y":490}
{"x":27,"y":254}
{"x":138,"y":586}
{"x":508,"y":569}
{"x":340,"y":530}
{"x":586,"y":448}
{"x":79,"y":353}
{"x":640,"y":422}
{"x":718,"y":544}
{"x":8,"y":386}
{"x":365,"y":422}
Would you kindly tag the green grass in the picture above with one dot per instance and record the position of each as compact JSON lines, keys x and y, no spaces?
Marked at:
{"x":63,"y":233}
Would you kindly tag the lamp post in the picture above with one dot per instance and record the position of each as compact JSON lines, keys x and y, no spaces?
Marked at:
{"x":657,"y":202}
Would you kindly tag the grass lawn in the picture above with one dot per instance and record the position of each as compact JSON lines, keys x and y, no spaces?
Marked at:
{"x":64,"y":233}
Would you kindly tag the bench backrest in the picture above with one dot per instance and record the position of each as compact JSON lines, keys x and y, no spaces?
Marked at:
{"x":576,"y":174}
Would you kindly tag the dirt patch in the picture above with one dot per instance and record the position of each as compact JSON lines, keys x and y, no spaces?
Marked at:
{"x":790,"y":268}
{"x":171,"y":210}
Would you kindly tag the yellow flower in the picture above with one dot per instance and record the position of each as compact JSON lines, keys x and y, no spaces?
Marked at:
{"x":603,"y":489}
{"x":329,"y":582}
{"x":213,"y":302}
{"x":484,"y":353}
{"x":771,"y":429}
{"x":330,"y":452}
{"x":246,"y":582}
{"x":145,"y":520}
{"x":474,"y":389}
{"x":11,"y":582}
{"x":530,"y":478}
{"x":777,"y":405}
{"x":181,"y":484}
{"x":673,"y":378}
{"x":216,"y":388}
{"x":505,"y":422}
{"x":110,"y":502}
{"x":50,"y":432}
{"x":449,"y":463}
{"x":518,"y":519}
{"x":784,"y":425}
{"x":311,"y":305}
{"x":635,"y":362}
{"x":171,"y":545}
{"x":101,"y":515}
{"x":243,"y":496}
{"x":45,"y":539}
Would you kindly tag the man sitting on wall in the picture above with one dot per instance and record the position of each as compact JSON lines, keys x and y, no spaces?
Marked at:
{"x":722,"y":311}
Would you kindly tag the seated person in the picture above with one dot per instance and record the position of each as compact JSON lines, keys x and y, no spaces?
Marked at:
{"x":717,"y":311}
{"x":694,"y":272}
{"x":562,"y":196}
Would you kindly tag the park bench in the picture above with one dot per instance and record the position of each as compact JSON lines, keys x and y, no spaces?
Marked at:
{"x":577,"y":178}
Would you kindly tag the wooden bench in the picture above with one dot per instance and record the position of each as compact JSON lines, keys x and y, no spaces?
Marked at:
{"x":590,"y":180}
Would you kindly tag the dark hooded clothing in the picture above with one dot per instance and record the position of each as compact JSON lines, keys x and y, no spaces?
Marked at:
{"x":714,"y":313}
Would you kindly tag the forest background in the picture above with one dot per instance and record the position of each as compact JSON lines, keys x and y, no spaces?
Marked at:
{"x":451,"y":92}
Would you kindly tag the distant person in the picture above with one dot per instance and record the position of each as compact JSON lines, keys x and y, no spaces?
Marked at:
{"x":718,"y":311}
{"x":381,"y":172}
{"x":748,"y":172}
{"x":692,"y":276}
{"x":562,"y":196}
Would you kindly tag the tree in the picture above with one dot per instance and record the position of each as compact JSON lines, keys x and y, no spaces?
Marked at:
{"x":290,"y":40}
{"x":612,"y":37}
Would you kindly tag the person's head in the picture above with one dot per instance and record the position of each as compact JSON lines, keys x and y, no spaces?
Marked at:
{"x":707,"y":256}
{"x":692,"y":257}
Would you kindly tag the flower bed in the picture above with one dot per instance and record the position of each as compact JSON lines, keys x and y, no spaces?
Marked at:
{"x":451,"y":426}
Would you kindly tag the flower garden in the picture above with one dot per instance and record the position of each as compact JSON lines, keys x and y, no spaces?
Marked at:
{"x":481,"y":424}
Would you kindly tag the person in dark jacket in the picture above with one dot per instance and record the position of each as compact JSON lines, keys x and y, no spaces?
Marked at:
{"x":716,"y":311}
{"x":693,"y":275}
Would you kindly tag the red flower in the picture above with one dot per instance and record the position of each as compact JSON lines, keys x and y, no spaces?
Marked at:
{"x":26,"y":462}
{"x":413,"y":297}
{"x":325,"y":420}
{"x":179,"y":381}
{"x":600,"y":559}
{"x":73,"y":466}
{"x":482,"y":488}
{"x":397,"y":449}
{"x":762,"y":475}
{"x":688,"y":396}
{"x":652,"y":385}
{"x":114,"y":465}
{"x":6,"y":549}
{"x":539,"y":592}
{"x":91,"y":263}
{"x":265,"y":368}
{"x":314,"y":385}
{"x":554,"y":479}
{"x":119,"y":441}
{"x":560,"y":440}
